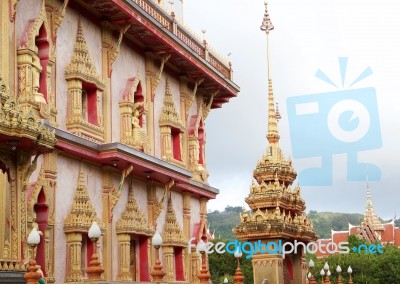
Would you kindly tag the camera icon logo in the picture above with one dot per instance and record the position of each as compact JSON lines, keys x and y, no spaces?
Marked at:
{"x":342,"y":122}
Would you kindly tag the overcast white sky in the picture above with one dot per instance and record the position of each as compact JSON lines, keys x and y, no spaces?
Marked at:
{"x":309,"y":35}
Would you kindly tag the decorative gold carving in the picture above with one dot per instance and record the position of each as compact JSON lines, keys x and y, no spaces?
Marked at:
{"x":81,"y":69}
{"x":207,"y":106}
{"x":116,"y":192}
{"x":190,"y":96}
{"x":132,"y":133}
{"x":56,"y":14}
{"x":26,"y":171}
{"x":110,"y":45}
{"x":82,"y":213}
{"x":81,"y":66}
{"x":169,"y":118}
{"x":199,"y":172}
{"x":124,"y":257}
{"x":169,"y":115}
{"x":19,"y":123}
{"x":172,"y":233}
{"x":133,"y":220}
{"x":156,"y":77}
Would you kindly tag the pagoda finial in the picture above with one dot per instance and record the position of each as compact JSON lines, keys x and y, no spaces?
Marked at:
{"x":273,"y":134}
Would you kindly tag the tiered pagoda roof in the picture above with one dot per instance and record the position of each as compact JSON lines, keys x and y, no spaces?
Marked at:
{"x":277,"y":209}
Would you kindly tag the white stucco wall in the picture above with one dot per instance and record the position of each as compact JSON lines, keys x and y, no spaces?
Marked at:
{"x":26,"y":10}
{"x":194,"y":213}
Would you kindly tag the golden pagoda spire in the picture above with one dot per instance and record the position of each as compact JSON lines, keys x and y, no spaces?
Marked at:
{"x":370,"y":217}
{"x":273,"y":133}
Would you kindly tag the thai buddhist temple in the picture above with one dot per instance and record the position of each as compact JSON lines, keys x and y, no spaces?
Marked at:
{"x":277,"y":209}
{"x":103,"y":106}
{"x":371,"y":229}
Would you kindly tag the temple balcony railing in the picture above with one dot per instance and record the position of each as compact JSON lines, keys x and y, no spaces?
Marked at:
{"x":12,"y":265}
{"x":199,"y":47}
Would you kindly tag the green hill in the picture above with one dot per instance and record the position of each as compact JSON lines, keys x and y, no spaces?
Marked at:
{"x":223,"y":222}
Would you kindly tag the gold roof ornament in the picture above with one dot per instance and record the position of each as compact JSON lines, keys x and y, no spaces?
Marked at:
{"x":133,"y":220}
{"x":82,"y":213}
{"x":172,"y":234}
{"x":169,"y":116}
{"x":81,"y":65}
{"x":277,"y":209}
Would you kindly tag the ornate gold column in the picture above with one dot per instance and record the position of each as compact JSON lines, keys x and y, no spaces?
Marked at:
{"x":124,"y":257}
{"x":195,"y":265}
{"x":166,"y":147}
{"x":169,"y":263}
{"x":50,"y":172}
{"x":74,"y":95}
{"x":73,"y":271}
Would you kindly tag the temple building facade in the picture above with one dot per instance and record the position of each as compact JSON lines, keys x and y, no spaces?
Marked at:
{"x":371,"y":229}
{"x":277,"y":210}
{"x":103,"y":107}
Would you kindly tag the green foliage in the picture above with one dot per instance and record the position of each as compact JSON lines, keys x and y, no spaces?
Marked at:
{"x":367,"y":268}
{"x":324,"y":222}
{"x":223,"y":222}
{"x":224,"y":265}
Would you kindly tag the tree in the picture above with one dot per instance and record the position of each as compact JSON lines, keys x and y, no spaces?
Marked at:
{"x":224,"y":265}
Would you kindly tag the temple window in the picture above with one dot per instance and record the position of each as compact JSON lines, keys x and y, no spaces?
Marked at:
{"x":35,"y":67}
{"x":176,"y":143}
{"x":41,"y":210}
{"x":133,"y":116}
{"x":43,"y":47}
{"x":174,"y":244}
{"x":179,"y":272}
{"x":76,"y":226}
{"x":85,"y":91}
{"x":89,"y":103}
{"x":171,"y":129}
{"x":133,"y":233}
{"x":197,"y":142}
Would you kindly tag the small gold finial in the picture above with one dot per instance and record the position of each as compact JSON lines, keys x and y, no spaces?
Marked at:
{"x":266,"y":24}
